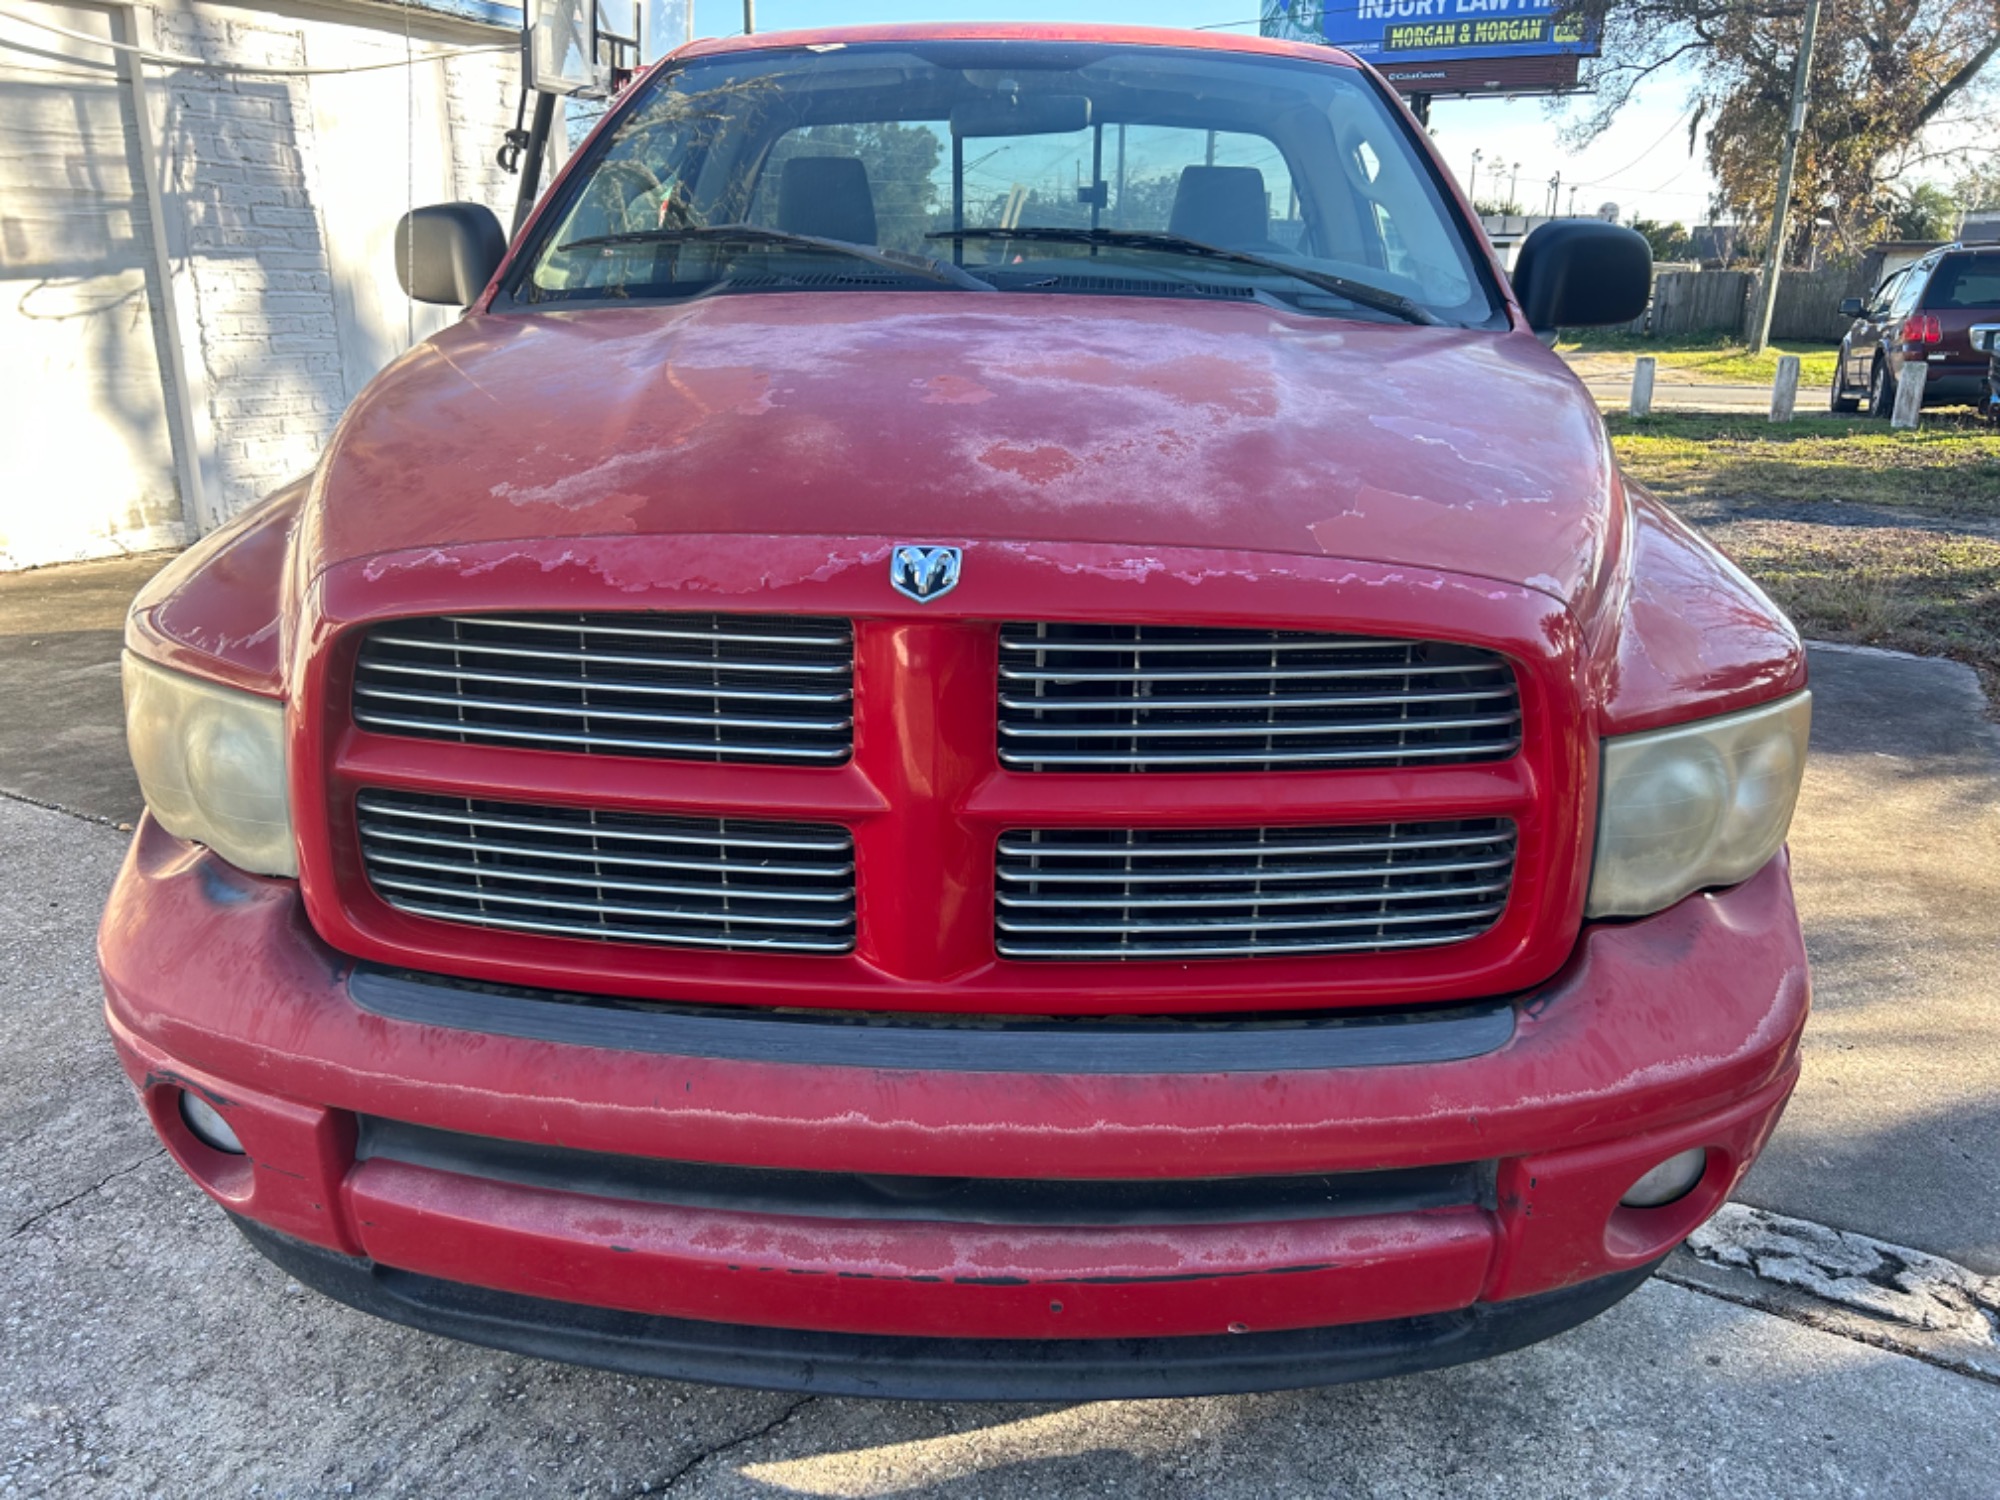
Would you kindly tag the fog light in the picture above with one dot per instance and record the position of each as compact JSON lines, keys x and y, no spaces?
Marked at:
{"x":1673,"y":1178}
{"x":208,"y":1125}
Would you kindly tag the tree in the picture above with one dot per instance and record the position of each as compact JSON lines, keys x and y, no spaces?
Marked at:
{"x":1669,"y":241}
{"x":1924,"y":212}
{"x":1977,"y":188}
{"x":1882,"y":71}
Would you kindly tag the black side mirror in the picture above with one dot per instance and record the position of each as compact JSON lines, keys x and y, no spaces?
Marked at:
{"x":1583,"y":273}
{"x":1850,"y":307}
{"x":448,"y":252}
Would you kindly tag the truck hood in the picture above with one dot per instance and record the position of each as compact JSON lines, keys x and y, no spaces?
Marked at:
{"x":956,"y":418}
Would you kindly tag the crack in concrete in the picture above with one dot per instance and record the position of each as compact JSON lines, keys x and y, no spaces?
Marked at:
{"x":743,"y":1440}
{"x":77,"y":1197}
{"x":1891,"y":1282}
{"x":67,"y":812}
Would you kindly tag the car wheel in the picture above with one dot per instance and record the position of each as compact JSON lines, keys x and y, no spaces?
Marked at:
{"x":1881,"y":395}
{"x":1839,"y":401}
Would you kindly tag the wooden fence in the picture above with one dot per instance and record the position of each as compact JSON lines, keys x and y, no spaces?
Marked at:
{"x":1808,"y":305}
{"x":1698,"y":302}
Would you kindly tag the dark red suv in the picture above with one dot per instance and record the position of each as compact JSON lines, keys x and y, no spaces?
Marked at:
{"x":1926,"y":311}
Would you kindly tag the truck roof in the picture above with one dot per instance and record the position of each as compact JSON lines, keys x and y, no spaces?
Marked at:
{"x":1024,"y":31}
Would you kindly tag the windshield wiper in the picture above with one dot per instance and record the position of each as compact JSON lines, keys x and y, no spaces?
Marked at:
{"x":751,"y":234}
{"x":1358,"y":292}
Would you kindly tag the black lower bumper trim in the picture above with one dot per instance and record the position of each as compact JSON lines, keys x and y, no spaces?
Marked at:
{"x":881,"y":1365}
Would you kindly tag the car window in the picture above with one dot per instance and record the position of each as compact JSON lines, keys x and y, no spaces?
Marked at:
{"x":1969,"y":282}
{"x":1905,"y":301}
{"x":1885,"y":296}
{"x":931,"y":148}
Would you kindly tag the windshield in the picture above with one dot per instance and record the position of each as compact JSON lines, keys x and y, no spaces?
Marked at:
{"x":1015,"y":166}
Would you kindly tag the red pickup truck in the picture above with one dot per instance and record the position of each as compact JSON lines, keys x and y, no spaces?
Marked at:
{"x":992,"y":727}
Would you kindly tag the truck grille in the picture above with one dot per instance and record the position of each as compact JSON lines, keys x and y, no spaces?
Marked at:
{"x":625,"y":877}
{"x":1187,"y":698}
{"x":1214,"y":893}
{"x":752,"y":688}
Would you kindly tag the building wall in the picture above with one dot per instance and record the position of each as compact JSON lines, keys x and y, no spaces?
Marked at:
{"x":273,"y":299}
{"x":87,"y":460}
{"x":285,"y":192}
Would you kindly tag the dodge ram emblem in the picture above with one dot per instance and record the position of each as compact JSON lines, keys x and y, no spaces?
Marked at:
{"x":924,"y":573}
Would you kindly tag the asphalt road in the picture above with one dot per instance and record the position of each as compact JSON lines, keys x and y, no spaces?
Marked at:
{"x":149,"y":1351}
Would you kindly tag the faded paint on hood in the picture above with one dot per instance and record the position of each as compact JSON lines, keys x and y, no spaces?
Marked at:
{"x":957,"y":417}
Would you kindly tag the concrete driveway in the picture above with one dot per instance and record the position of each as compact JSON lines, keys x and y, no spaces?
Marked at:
{"x":149,"y":1351}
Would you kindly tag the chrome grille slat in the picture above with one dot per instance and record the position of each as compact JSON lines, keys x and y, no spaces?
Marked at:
{"x":501,"y":705}
{"x":1084,"y":674}
{"x":620,"y":745}
{"x":378,"y":805}
{"x":654,"y":632}
{"x":580,"y":872}
{"x":666,"y":914}
{"x":1278,"y":844}
{"x":1267,"y":730}
{"x":760,"y":690}
{"x":637,"y":689}
{"x":1212,"y":876}
{"x":542,"y":653}
{"x":1073,"y":903}
{"x":1341,"y":700}
{"x":676,"y":940}
{"x":1096,"y":894}
{"x":581,"y":856}
{"x":1151,"y":698}
{"x":584,"y":882}
{"x":1251,"y":925}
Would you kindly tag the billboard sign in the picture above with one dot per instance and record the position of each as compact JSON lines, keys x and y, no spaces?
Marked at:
{"x":1403,"y":33}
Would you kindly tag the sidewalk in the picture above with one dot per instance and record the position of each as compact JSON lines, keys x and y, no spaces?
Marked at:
{"x":1608,"y":378}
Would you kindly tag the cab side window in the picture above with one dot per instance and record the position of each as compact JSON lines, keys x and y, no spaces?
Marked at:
{"x":1885,"y":295}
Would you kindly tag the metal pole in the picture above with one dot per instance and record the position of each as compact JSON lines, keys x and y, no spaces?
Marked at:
{"x":749,"y":17}
{"x":1120,"y":217}
{"x":531,"y":160}
{"x":1472,"y":185}
{"x":1781,"y":208}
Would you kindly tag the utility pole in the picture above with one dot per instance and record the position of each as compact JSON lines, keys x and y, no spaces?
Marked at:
{"x":749,"y":17}
{"x":1572,"y":202}
{"x":1472,"y":186}
{"x":1555,"y":193}
{"x":1514,"y":190}
{"x":1781,"y":209}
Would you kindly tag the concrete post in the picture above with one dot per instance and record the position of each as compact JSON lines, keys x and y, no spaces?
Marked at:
{"x":1642,"y":386}
{"x":1909,"y":394}
{"x":1785,"y":389}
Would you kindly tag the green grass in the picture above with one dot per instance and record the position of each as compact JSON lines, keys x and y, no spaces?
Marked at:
{"x":1801,"y":507}
{"x":1948,"y":468}
{"x":1933,"y":592}
{"x":1711,"y":356}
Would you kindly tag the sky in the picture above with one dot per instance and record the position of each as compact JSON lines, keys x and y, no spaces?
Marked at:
{"x":1641,"y":164}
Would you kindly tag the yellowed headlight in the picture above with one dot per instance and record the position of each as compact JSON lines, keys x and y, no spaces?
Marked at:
{"x":211,"y":762}
{"x":1698,"y":805}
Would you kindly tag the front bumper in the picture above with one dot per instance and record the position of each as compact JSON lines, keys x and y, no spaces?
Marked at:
{"x":1674,"y":1032}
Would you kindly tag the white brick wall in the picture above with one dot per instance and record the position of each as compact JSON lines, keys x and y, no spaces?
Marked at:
{"x":242,"y":172}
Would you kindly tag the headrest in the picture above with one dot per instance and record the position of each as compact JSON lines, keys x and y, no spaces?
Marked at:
{"x":827,"y":196}
{"x":1222,"y":206}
